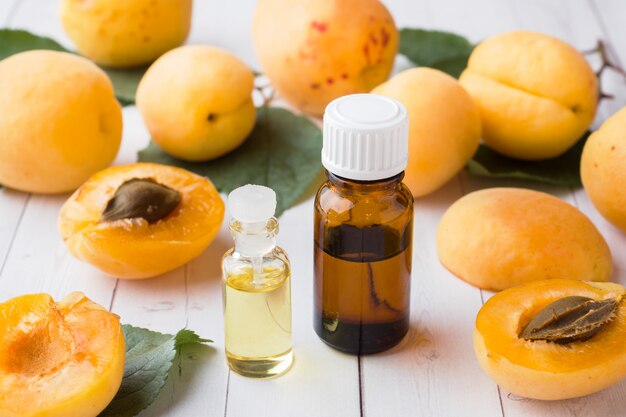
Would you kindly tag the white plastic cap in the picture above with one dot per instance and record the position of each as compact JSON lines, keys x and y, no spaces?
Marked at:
{"x":252,"y":203}
{"x":365,"y":137}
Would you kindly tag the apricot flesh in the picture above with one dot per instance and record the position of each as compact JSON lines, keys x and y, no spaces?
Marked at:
{"x":544,"y":370}
{"x":59,"y":359}
{"x":438,"y":149}
{"x":133,"y":247}
{"x":314,"y":51}
{"x":497,"y":238}
{"x":602,"y":169}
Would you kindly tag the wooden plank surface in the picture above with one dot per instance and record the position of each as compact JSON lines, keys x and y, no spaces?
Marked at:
{"x":7,"y":8}
{"x":433,"y":371}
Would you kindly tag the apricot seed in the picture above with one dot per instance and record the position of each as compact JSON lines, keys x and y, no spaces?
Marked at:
{"x":544,"y":370}
{"x":570,"y":319}
{"x":141,"y":198}
{"x":137,"y":243}
{"x":58,"y":359}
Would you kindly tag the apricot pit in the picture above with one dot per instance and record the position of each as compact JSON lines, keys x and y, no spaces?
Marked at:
{"x":570,"y":319}
{"x":141,"y":198}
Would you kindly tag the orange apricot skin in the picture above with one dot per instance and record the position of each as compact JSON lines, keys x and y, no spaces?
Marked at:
{"x":324,"y":49}
{"x":543,"y":370}
{"x":497,"y":238}
{"x":132,"y":248}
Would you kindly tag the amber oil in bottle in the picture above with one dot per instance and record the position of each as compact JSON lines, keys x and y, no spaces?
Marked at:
{"x":363,"y":227}
{"x":256,"y":288}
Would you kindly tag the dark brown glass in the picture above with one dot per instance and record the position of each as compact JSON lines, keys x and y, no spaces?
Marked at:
{"x":363,"y":235}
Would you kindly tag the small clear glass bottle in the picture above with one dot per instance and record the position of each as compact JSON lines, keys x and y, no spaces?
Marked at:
{"x":363,"y":226}
{"x":256,"y":288}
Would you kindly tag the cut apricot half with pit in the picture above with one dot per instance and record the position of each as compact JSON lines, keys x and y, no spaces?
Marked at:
{"x":141,"y":220}
{"x":554,"y":339}
{"x":58,"y":359}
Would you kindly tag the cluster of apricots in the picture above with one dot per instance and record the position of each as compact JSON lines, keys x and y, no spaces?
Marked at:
{"x":526,"y":95}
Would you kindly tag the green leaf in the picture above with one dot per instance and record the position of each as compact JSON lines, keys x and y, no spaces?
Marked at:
{"x":125,"y":81}
{"x":189,"y":337}
{"x":563,"y":170}
{"x":13,"y":41}
{"x":149,"y":357}
{"x":282,"y":152}
{"x":445,"y":51}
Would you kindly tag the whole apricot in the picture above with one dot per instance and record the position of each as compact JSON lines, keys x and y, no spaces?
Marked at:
{"x":126,"y":33}
{"x":546,"y":370}
{"x":314,"y":51}
{"x":141,"y":220}
{"x":58,"y":359}
{"x":444,"y":126}
{"x":498,"y":238}
{"x":536,"y":94}
{"x":602,"y":169}
{"x":197,"y":103}
{"x":60,"y":121}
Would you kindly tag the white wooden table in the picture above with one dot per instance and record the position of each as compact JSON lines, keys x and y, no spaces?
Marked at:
{"x":433,"y":371}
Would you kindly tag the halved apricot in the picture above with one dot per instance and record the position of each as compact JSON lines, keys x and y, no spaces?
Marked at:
{"x":58,"y":359}
{"x":549,"y":370}
{"x":141,"y":220}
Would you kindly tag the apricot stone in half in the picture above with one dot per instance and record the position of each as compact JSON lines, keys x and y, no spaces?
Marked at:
{"x":58,"y":359}
{"x":551,"y":370}
{"x":501,"y":237}
{"x":141,"y":220}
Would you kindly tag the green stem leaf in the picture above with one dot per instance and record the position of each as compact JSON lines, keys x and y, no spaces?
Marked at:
{"x":149,"y":358}
{"x":563,"y":170}
{"x":445,"y":51}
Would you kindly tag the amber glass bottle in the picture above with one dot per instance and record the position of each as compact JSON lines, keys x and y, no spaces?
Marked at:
{"x":363,"y":227}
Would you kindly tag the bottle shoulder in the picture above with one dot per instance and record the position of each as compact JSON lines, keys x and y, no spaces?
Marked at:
{"x":380,"y":206}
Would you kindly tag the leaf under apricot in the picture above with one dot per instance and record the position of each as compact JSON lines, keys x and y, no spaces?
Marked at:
{"x":563,"y":170}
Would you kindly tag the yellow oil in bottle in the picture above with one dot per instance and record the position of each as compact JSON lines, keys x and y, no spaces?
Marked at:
{"x":257,"y":319}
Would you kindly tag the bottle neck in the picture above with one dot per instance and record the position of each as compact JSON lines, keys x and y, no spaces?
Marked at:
{"x":254,"y":240}
{"x":366,"y":186}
